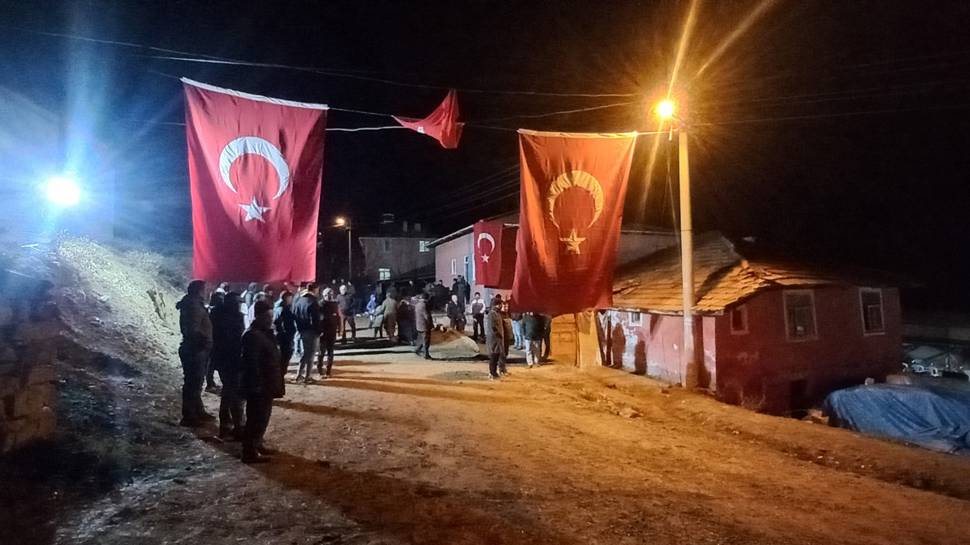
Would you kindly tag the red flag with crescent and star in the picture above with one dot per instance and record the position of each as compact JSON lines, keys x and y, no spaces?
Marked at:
{"x":441,"y":124}
{"x":255,"y":170}
{"x":573,"y":186}
{"x":494,"y":254}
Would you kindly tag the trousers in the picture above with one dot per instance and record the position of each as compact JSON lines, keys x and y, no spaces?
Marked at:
{"x":496,"y":364}
{"x":327,"y":343}
{"x":258,"y":411}
{"x":478,"y":325}
{"x":230,"y":402}
{"x":311,"y":342}
{"x":346,"y":319}
{"x":195,"y":364}
{"x":424,"y":343}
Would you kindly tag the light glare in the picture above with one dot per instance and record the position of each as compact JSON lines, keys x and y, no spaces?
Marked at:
{"x":63,"y":191}
{"x":665,"y":109}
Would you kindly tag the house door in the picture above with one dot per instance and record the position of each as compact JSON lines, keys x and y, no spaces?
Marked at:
{"x":469,"y":271}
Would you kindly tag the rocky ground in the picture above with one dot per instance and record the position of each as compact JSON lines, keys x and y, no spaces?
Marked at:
{"x":395,"y":449}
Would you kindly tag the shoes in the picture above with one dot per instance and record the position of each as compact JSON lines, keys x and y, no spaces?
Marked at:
{"x":190,"y":423}
{"x":206,"y":417}
{"x":255,"y":458}
{"x":504,"y":373}
{"x":266,"y":451}
{"x":530,"y":366}
{"x":213,"y":389}
{"x":230,"y":435}
{"x":309,"y":381}
{"x":428,"y":358}
{"x":493,"y":377}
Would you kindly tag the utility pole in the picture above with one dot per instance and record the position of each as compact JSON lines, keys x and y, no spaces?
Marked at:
{"x":688,"y":358}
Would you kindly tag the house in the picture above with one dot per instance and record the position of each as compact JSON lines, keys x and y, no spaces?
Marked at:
{"x":397,"y":251}
{"x":773,"y":336}
{"x":454,"y":254}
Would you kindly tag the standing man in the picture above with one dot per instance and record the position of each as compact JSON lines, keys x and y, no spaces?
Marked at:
{"x":260,"y":379}
{"x":306,"y":311}
{"x":227,"y":332}
{"x":507,"y":329}
{"x":284,"y":322}
{"x":546,"y":336}
{"x":494,"y":337}
{"x":194,"y":352}
{"x":423,"y":323}
{"x":330,"y":321}
{"x":456,"y":314}
{"x":478,"y":317}
{"x":348,"y":313}
{"x":532,"y":333}
{"x":518,"y":342}
{"x":389,"y":311}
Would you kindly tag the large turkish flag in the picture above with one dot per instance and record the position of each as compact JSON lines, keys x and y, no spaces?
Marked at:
{"x":255,"y":168}
{"x":573,"y":186}
{"x":494,"y":254}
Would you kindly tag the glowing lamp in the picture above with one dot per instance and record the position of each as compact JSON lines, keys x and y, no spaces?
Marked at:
{"x":63,"y":191}
{"x":340,"y":221}
{"x":665,"y":109}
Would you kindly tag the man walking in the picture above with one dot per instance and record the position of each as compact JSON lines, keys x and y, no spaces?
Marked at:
{"x":478,"y":317}
{"x":495,"y":338}
{"x":284,"y":322}
{"x":261,"y":380}
{"x":227,"y":332}
{"x":194,"y":352}
{"x":347,"y":309}
{"x":329,"y":323}
{"x":423,"y":323}
{"x":306,"y":311}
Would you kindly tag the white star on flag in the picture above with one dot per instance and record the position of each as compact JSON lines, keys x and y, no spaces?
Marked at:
{"x":254,"y":211}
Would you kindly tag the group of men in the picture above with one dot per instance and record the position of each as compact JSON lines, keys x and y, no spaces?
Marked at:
{"x":248,"y":360}
{"x":526,"y":331}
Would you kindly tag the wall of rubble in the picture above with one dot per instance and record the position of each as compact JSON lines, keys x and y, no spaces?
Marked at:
{"x":29,"y":339}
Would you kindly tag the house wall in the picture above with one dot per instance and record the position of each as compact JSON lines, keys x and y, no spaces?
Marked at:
{"x":653,"y":345}
{"x":763,"y":370}
{"x":403,"y":256}
{"x":459,"y":249}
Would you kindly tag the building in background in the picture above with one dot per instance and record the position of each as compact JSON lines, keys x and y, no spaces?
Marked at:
{"x":454,"y":254}
{"x":397,"y":251}
{"x":774,"y":336}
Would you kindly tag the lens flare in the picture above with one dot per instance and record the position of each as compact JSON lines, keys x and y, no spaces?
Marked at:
{"x":63,"y":191}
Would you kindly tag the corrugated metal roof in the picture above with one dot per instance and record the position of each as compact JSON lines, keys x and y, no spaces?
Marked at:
{"x":722,"y":277}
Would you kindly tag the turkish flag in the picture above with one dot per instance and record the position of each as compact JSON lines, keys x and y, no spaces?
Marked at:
{"x":255,"y":169}
{"x":442,"y":124}
{"x":573,"y":186}
{"x":494,"y":254}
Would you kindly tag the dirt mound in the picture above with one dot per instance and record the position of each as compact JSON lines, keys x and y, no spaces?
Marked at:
{"x":452,"y":345}
{"x":122,"y":298}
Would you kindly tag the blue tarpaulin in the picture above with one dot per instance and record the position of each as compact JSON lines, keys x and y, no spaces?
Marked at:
{"x":934,"y":416}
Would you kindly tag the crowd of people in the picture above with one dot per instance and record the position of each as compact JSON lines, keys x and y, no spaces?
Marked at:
{"x":249,"y":339}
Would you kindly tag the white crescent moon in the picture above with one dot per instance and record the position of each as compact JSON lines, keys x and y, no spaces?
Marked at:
{"x":488,"y":237}
{"x":259,"y":146}
{"x":582,"y":180}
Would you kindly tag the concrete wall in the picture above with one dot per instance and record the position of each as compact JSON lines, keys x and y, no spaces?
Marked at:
{"x":402,"y":256}
{"x":764,"y":370}
{"x":653,"y":345}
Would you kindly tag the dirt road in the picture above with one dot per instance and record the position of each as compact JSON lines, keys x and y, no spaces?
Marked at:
{"x":394,"y":449}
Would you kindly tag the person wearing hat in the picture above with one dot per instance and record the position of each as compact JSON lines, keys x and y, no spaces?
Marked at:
{"x":495,"y":338}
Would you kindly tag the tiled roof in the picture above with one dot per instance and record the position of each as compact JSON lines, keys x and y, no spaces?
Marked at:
{"x":722,"y":277}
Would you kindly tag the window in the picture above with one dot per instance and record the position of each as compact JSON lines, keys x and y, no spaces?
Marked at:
{"x":800,"y":315}
{"x":739,"y":320}
{"x":635,"y":318}
{"x":383,"y":274}
{"x":386,"y":245}
{"x":417,"y":227}
{"x":423,"y":246}
{"x":872,"y":317}
{"x":454,"y":266}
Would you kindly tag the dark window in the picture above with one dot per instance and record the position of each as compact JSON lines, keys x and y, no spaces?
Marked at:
{"x":872,"y":317}
{"x":636,"y":318}
{"x":739,"y":320}
{"x":386,"y":245}
{"x":800,"y":315}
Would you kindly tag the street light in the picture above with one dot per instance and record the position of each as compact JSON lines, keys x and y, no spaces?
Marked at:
{"x":690,"y":373}
{"x":341,"y":221}
{"x":62,"y":191}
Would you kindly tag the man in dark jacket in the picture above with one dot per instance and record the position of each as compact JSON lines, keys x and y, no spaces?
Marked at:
{"x":423,"y":324}
{"x":284,"y":323}
{"x":495,"y":338}
{"x":348,"y":314}
{"x":306,"y":312}
{"x":456,"y":314}
{"x":227,"y":332}
{"x":194,"y":352}
{"x":261,"y":380}
{"x":329,"y":323}
{"x":532,"y":331}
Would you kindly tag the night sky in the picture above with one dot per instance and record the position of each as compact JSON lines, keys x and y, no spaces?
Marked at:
{"x":835,"y":130}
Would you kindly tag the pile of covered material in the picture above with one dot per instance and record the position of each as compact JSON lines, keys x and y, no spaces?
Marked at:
{"x":934,"y":416}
